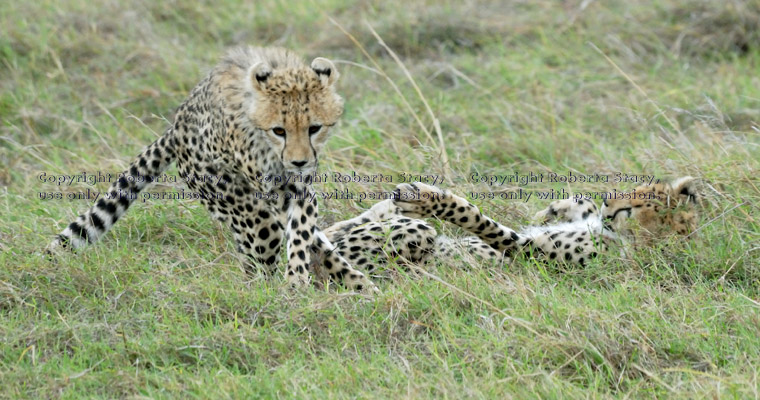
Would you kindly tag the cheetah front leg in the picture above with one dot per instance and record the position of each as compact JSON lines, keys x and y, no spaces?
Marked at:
{"x":301,"y":234}
{"x":259,"y":237}
{"x":299,"y":237}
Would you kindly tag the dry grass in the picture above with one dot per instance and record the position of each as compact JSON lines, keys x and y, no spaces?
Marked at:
{"x":161,"y":309}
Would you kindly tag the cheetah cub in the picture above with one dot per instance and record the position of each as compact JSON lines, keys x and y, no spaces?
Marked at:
{"x":252,"y":130}
{"x":573,"y":232}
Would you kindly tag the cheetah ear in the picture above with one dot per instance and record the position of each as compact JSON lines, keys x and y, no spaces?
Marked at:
{"x":259,"y":74}
{"x":325,"y":70}
{"x":686,"y":186}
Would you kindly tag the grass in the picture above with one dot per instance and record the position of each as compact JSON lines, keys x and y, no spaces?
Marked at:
{"x":161,"y":309}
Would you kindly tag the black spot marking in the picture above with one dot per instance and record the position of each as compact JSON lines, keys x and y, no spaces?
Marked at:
{"x":97,"y":222}
{"x":79,"y":231}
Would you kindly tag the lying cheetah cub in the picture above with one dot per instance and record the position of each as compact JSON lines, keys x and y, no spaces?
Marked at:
{"x":574,"y":232}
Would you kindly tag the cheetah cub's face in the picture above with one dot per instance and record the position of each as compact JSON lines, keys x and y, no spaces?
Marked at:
{"x":654,"y":211}
{"x":296,"y":108}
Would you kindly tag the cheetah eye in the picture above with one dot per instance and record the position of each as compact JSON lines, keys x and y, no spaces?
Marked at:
{"x":314,"y":129}
{"x":278,"y":131}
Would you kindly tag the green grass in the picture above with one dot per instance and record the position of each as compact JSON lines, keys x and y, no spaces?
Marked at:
{"x":161,"y":309}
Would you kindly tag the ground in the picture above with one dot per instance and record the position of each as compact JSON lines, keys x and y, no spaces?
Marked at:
{"x":160,"y":308}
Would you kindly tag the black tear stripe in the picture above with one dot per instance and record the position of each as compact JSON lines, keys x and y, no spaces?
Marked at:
{"x":282,"y":153}
{"x":313,"y":151}
{"x":628,"y":209}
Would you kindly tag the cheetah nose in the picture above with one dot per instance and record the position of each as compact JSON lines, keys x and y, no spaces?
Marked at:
{"x":299,"y":164}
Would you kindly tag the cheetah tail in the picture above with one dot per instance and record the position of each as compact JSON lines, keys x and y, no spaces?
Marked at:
{"x":96,"y":221}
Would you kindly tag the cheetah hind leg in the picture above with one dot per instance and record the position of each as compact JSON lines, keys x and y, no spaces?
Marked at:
{"x":401,"y":239}
{"x":380,"y":234}
{"x":337,"y":268}
{"x":419,"y":200}
{"x":381,"y":211}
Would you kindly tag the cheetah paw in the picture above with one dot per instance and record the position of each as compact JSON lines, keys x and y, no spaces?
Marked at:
{"x":366,"y":287}
{"x":296,"y":281}
{"x":416,"y":199}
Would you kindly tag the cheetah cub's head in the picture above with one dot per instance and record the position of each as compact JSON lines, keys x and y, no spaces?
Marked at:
{"x":296,"y":107}
{"x":652,"y":212}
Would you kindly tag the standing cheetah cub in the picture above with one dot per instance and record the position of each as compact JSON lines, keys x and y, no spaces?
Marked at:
{"x":251,"y":130}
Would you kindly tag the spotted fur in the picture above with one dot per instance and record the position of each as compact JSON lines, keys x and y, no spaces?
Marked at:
{"x":260,"y":114}
{"x":570,"y":231}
